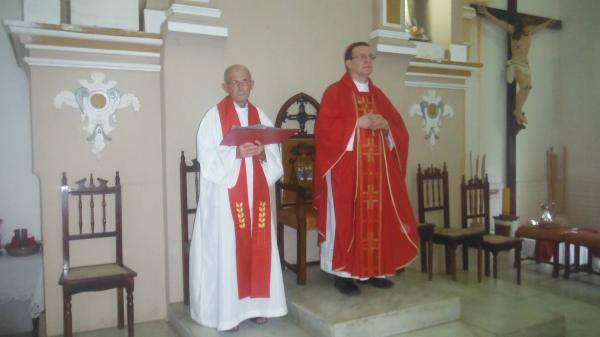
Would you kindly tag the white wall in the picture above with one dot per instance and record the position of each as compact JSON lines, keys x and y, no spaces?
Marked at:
{"x":579,"y":117}
{"x":542,"y":107}
{"x":19,"y":191}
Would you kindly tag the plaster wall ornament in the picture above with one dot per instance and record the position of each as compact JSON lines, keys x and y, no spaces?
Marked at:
{"x":431,"y":110}
{"x":98,"y":103}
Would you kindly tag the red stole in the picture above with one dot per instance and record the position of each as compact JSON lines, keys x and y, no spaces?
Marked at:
{"x":375,"y":226}
{"x":252,"y":235}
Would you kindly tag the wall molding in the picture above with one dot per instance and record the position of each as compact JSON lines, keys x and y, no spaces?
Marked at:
{"x":436,"y":75}
{"x":74,"y":32}
{"x":443,"y":64}
{"x":434,"y":85}
{"x":392,"y":34}
{"x":194,"y":10}
{"x":195,"y":28}
{"x":65,"y":63}
{"x":142,"y":50}
{"x":394,"y":49}
{"x":92,"y":50}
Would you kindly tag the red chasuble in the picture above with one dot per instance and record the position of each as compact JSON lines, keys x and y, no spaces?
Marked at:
{"x":376,"y":230}
{"x":252,"y":235}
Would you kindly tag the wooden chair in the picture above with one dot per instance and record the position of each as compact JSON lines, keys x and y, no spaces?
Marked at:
{"x":475,"y":210}
{"x":433,"y":196}
{"x":102,"y":276}
{"x":293,"y":192}
{"x":187,"y":171}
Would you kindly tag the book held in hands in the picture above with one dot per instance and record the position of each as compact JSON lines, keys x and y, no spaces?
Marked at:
{"x":262,"y":133}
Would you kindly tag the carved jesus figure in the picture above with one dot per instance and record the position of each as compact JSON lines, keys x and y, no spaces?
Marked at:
{"x":518,"y":66}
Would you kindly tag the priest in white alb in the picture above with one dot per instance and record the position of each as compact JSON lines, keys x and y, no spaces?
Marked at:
{"x":235,"y":272}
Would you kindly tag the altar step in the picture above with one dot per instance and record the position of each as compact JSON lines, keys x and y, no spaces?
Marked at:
{"x":414,"y":307}
{"x":179,"y":317}
{"x":324,"y":312}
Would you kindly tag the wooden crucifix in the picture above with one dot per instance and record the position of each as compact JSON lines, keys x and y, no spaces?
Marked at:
{"x":519,"y":29}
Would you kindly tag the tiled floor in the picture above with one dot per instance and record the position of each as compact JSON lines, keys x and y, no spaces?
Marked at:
{"x":577,"y":299}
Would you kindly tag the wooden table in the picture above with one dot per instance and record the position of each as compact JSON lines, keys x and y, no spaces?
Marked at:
{"x":550,"y":234}
{"x":580,"y":237}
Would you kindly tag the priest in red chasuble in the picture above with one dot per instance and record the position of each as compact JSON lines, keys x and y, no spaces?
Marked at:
{"x":235,"y":272}
{"x":367,"y":229}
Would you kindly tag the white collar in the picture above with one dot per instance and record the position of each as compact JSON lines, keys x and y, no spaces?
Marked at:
{"x":239,"y":108}
{"x":361,"y":86}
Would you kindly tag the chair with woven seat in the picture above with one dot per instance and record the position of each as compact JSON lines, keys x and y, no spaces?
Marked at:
{"x":433,"y":196}
{"x":475,"y":201}
{"x":98,"y":277}
{"x":187,"y":173}
{"x":293,"y":193}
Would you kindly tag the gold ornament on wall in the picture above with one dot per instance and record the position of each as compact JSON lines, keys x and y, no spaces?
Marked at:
{"x":98,"y":103}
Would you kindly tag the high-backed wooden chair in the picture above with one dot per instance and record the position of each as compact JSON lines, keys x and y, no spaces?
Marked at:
{"x":433,"y":196}
{"x":187,"y":173}
{"x":294,"y":190}
{"x":475,"y":210}
{"x":97,"y":199}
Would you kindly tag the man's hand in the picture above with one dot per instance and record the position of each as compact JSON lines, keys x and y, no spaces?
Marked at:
{"x":373,"y":121}
{"x":251,"y":149}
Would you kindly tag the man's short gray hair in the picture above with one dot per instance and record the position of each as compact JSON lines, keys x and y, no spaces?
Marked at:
{"x":235,"y":67}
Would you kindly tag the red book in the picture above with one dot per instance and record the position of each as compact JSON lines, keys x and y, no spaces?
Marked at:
{"x":264,"y":134}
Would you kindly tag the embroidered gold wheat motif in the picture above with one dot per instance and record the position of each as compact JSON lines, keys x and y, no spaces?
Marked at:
{"x":239,"y":207}
{"x":261,"y":214}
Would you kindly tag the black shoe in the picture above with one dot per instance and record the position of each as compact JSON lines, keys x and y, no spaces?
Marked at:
{"x":379,"y":282}
{"x":345,"y":286}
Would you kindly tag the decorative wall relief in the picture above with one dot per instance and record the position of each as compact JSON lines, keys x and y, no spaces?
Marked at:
{"x":431,"y":109}
{"x":98,"y":103}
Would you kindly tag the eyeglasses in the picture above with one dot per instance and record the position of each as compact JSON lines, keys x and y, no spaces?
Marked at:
{"x":239,"y":84}
{"x":364,"y":57}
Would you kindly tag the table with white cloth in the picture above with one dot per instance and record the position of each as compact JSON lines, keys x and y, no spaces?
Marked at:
{"x":21,"y":293}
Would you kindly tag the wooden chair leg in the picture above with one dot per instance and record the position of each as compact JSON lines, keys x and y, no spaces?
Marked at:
{"x":555,"y":265}
{"x":424,"y":256}
{"x":186,"y":275}
{"x":67,"y":317}
{"x":430,"y":258}
{"x":536,"y":252}
{"x":590,"y":261}
{"x":576,"y":260}
{"x":495,"y":264}
{"x":447,"y":252}
{"x":120,"y":312}
{"x":301,"y":255}
{"x":130,"y":311}
{"x":479,"y":254}
{"x":453,"y":262}
{"x":465,"y":256}
{"x":486,"y":262}
{"x":518,"y":263}
{"x":567,"y":260}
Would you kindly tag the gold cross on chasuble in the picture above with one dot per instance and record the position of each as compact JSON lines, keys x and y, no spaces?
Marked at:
{"x":370,"y":147}
{"x":370,"y":196}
